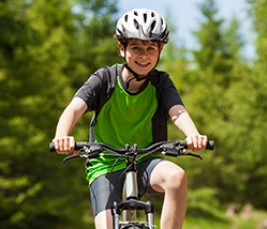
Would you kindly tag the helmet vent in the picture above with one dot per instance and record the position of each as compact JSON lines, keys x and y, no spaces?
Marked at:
{"x":145,"y":18}
{"x":135,"y":13}
{"x":136,"y":24}
{"x":126,"y":18}
{"x":152,"y":14}
{"x":153,"y":25}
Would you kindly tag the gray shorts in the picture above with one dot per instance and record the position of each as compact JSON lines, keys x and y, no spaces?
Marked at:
{"x":108,"y":188}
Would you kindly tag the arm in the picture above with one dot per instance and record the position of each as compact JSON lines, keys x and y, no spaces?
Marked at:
{"x":184,"y":123}
{"x":63,"y":142}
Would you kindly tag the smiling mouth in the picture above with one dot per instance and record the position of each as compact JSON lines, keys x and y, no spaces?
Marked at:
{"x":143,"y":64}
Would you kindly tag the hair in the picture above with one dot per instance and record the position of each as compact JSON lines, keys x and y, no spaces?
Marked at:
{"x":124,"y":41}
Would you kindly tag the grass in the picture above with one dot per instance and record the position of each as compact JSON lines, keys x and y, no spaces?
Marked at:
{"x":205,"y":216}
{"x":201,"y":215}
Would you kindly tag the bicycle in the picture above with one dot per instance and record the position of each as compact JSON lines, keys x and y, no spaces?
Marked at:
{"x":130,"y":202}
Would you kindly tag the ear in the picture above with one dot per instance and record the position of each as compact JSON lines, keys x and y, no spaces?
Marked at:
{"x":121,"y":49}
{"x":160,"y":49}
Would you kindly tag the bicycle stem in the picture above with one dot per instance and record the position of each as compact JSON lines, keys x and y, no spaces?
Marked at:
{"x":130,"y":187}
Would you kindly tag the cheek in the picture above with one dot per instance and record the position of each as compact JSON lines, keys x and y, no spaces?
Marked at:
{"x":122,"y":53}
{"x":129,"y":56}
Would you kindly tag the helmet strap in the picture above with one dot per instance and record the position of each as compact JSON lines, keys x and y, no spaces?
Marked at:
{"x":134,"y":77}
{"x":135,"y":74}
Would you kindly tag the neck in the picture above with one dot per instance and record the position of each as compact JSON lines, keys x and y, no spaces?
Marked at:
{"x":134,"y":85}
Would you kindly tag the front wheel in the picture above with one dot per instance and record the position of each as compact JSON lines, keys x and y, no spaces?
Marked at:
{"x":134,"y":226}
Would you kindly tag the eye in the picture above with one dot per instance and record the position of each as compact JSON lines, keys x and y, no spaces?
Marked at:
{"x":135,"y":47}
{"x":151,"y":48}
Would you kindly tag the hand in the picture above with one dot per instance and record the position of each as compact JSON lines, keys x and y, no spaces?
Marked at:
{"x":197,"y":142}
{"x":65,"y":145}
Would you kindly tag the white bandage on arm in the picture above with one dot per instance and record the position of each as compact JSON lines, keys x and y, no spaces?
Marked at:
{"x":182,"y":120}
{"x":176,"y":111}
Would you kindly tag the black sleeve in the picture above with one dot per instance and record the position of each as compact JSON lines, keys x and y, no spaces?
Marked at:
{"x":90,"y":90}
{"x":167,"y":94}
{"x":170,"y":95}
{"x":98,"y":88}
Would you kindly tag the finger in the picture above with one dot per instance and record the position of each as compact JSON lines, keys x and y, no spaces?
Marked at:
{"x":66,"y":144}
{"x":55,"y":141}
{"x":200,"y":142}
{"x":72,"y":143}
{"x":189,"y":141}
{"x":75,"y":152}
{"x":184,"y":150}
{"x":61,"y":144}
{"x":195,"y":142}
{"x":205,"y":141}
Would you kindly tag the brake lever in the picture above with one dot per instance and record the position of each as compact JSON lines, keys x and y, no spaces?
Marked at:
{"x":175,"y":149}
{"x":74,"y":156}
{"x":190,"y":154}
{"x":183,"y":145}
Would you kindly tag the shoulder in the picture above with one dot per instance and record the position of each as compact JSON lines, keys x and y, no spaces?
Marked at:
{"x":108,"y":70}
{"x":98,"y":86}
{"x":162,"y":74}
{"x":166,"y":91}
{"x":104,"y":79}
{"x":106,"y":74}
{"x":160,"y":79}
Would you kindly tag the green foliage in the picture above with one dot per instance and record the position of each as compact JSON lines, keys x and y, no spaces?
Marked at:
{"x":44,"y":54}
{"x":212,"y":46}
{"x":227,"y":100}
{"x":47,"y":51}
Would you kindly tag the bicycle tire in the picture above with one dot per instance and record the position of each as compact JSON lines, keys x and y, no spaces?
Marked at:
{"x":134,"y":226}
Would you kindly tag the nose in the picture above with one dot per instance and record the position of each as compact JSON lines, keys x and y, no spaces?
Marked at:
{"x":143,"y":53}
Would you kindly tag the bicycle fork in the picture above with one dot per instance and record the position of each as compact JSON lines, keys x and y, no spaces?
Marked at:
{"x":130,"y":191}
{"x":131,"y":204}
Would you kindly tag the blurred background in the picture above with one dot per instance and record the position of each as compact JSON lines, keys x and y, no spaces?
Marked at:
{"x":217,"y":59}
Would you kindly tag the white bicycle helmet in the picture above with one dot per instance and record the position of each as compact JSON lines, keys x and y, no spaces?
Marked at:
{"x":142,"y":24}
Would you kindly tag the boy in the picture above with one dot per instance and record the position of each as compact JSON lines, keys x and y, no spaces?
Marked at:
{"x":132,"y":103}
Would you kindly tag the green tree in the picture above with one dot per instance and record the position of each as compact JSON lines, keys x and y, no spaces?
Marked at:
{"x":229,"y":99}
{"x":211,"y":99}
{"x":256,"y":109}
{"x":44,"y":54}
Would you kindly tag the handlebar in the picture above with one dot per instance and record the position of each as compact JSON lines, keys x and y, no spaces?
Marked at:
{"x":93,"y":150}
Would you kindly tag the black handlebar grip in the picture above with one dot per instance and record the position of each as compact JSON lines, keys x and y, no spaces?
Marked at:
{"x":209,"y":146}
{"x":52,"y":147}
{"x":78,"y":146}
{"x":183,"y":144}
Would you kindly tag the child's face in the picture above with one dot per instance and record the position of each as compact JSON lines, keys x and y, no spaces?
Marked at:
{"x":141,"y":56}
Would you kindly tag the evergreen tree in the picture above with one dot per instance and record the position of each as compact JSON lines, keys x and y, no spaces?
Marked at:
{"x":229,"y":100}
{"x":255,"y":109}
{"x":44,"y":57}
{"x":213,"y":102}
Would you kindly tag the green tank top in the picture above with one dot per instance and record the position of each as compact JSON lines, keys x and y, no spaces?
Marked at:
{"x":124,"y":119}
